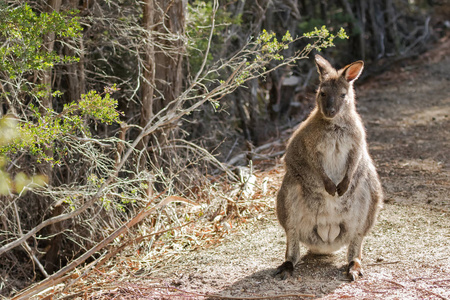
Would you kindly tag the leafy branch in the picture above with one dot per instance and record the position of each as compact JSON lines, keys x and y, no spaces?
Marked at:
{"x":22,"y":34}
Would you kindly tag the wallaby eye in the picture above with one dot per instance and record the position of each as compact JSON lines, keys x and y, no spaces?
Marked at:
{"x":322,"y":94}
{"x":342,"y":95}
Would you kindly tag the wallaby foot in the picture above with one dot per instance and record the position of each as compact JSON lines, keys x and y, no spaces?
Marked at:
{"x":354,"y":270}
{"x":285,"y":270}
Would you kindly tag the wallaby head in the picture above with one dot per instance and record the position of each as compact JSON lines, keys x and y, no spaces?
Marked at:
{"x":335,"y":92}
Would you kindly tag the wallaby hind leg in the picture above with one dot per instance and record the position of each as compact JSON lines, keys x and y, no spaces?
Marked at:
{"x":292,"y":255}
{"x":355,"y":248}
{"x":354,"y":255}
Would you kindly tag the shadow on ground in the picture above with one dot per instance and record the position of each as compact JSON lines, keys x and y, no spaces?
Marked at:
{"x":315,"y":275}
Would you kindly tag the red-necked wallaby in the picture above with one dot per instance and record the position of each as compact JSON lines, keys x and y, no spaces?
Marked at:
{"x":331,"y":193}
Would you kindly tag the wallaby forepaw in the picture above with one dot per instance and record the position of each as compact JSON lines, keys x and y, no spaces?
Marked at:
{"x":355,"y":270}
{"x":330,"y":187}
{"x":342,"y":188}
{"x":285,"y":270}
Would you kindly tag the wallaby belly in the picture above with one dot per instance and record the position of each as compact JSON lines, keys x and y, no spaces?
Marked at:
{"x":324,"y":230}
{"x":327,"y":223}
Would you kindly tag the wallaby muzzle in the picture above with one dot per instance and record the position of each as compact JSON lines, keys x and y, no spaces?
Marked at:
{"x":329,"y":107}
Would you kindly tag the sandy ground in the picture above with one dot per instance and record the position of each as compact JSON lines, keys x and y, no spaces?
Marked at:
{"x":407,"y":255}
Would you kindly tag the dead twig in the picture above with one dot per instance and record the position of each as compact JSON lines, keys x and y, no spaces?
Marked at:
{"x":384,"y":263}
{"x":440,"y":280}
{"x":395,"y":283}
{"x":234,"y":160}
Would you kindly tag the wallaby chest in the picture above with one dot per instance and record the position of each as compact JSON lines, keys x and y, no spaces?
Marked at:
{"x":335,"y":147}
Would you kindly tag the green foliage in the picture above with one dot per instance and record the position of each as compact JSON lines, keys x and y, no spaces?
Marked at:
{"x":324,"y":38}
{"x":39,"y":132}
{"x":22,"y":34}
{"x":338,"y":18}
{"x":310,"y":24}
{"x":39,"y":136}
{"x":21,"y":182}
{"x":8,"y":130}
{"x":270,"y":45}
{"x":268,"y":48}
{"x":99,"y":108}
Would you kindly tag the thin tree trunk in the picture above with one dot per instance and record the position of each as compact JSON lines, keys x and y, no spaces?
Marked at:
{"x":51,"y":257}
{"x":392,"y":25}
{"x":168,"y":62}
{"x":243,"y":114}
{"x":361,"y":12}
{"x":164,"y":23}
{"x":49,"y":43}
{"x":323,"y":11}
{"x":75,"y":71}
{"x":377,"y":29}
{"x":148,"y":72}
{"x":359,"y":22}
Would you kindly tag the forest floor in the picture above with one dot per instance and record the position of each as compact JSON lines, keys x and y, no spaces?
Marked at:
{"x":406,"y":256}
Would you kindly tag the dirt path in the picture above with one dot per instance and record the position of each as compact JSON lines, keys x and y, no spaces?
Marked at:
{"x":407,"y":256}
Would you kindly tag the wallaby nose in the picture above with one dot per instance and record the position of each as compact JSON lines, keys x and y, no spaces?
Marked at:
{"x":330,"y":107}
{"x":329,"y":112}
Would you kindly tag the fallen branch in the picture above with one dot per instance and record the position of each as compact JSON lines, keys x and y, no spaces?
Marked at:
{"x":57,"y":277}
{"x":395,"y":283}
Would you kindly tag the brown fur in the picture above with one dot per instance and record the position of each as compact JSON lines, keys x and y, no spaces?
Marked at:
{"x":331,"y":193}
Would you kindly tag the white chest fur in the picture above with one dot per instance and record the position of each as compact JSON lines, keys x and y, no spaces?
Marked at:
{"x":335,"y":149}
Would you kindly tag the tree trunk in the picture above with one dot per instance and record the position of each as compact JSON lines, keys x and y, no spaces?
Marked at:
{"x":392,"y":25}
{"x":75,"y":71}
{"x":377,"y":28}
{"x":51,"y":257}
{"x":171,"y":21}
{"x":161,"y":82}
{"x":148,"y":74}
{"x":49,"y":43}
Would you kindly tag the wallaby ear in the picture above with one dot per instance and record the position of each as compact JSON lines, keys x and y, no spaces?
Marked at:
{"x":323,"y":67}
{"x":353,"y":70}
